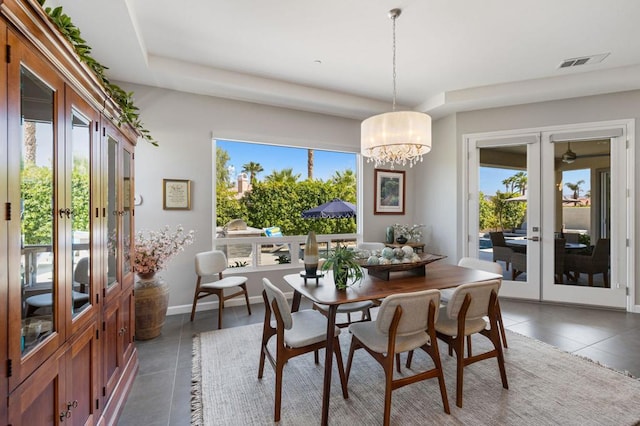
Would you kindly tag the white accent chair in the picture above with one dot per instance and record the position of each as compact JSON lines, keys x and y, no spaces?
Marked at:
{"x":209,"y":264}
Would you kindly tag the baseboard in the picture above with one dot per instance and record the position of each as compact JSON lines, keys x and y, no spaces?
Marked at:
{"x":213,"y":304}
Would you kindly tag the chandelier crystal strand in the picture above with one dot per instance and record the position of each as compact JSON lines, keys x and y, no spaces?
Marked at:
{"x":396,"y":137}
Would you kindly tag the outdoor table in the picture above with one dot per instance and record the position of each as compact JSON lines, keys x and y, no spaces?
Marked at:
{"x":523,"y":244}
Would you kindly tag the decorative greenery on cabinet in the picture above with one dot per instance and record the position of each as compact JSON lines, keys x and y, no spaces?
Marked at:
{"x":129,"y":112}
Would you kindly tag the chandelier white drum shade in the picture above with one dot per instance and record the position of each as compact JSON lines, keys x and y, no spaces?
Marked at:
{"x":396,"y":137}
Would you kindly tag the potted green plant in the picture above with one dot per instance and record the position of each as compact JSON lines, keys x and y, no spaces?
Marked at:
{"x":345,"y":266}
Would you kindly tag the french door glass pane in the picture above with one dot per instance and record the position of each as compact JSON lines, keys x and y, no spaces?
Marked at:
{"x":582,"y":211}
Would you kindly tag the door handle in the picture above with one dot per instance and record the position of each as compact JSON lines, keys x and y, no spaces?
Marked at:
{"x":536,"y":238}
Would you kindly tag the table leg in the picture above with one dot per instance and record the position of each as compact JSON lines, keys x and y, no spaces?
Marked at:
{"x":295,"y":303}
{"x":328,"y":362}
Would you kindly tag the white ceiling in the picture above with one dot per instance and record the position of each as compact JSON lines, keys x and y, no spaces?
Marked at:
{"x":452,"y":55}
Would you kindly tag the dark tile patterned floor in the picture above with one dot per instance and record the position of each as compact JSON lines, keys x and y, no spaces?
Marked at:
{"x":161,"y":392}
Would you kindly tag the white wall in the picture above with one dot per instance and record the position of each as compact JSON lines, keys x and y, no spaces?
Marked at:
{"x":437,"y":188}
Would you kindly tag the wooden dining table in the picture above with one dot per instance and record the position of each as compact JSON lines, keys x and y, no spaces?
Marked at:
{"x":437,"y":276}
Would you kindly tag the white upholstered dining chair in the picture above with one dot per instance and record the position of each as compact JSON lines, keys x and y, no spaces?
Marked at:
{"x":463,"y":316}
{"x":405,"y":322}
{"x":296,"y":334}
{"x":211,"y":264}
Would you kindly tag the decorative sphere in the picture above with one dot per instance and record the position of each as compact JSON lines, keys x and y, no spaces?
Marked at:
{"x":395,"y":261}
{"x":372,"y":260}
{"x":415,"y":257}
{"x":406,"y":260}
{"x":398,"y":253}
{"x":387,"y":253}
{"x":384,"y":261}
{"x":408,"y":252}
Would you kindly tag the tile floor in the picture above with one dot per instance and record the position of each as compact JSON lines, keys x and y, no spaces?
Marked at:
{"x":161,"y":392}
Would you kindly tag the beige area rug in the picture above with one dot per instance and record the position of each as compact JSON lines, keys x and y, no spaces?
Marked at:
{"x":546,"y":387}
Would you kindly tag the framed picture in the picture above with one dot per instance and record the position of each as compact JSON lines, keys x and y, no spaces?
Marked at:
{"x":176,"y":194}
{"x":389,"y":191}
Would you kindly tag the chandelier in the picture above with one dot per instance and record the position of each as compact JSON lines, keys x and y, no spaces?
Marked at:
{"x":396,"y":137}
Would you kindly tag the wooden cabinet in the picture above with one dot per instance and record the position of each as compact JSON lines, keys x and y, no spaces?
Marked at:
{"x":63,"y":390}
{"x":67,"y":292}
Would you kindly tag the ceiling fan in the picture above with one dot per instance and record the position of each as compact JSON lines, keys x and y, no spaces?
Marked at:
{"x":570,"y":156}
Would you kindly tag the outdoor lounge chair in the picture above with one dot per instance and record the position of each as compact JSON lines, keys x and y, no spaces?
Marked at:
{"x":274,"y":231}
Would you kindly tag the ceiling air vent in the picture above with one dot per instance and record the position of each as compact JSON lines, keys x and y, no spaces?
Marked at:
{"x":574,"y":62}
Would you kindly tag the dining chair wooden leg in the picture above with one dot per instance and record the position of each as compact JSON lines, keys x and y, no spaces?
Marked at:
{"x":409,"y":359}
{"x":220,"y":307}
{"x":355,"y":344}
{"x":469,"y":353}
{"x":316,"y":356}
{"x":387,"y":365}
{"x":501,"y":325}
{"x":398,"y":368}
{"x":278,"y":396}
{"x":246,"y":296}
{"x":458,"y":347}
{"x":494,"y":336}
{"x":433,"y":351}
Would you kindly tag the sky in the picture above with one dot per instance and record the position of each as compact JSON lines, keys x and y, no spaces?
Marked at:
{"x":491,"y":180}
{"x":272,"y":157}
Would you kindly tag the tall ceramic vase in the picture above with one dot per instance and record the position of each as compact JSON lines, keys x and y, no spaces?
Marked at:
{"x":390,"y":235}
{"x":152,"y":300}
{"x":311,"y":255}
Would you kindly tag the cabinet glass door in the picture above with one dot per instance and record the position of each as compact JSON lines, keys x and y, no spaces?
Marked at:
{"x":80,"y":259}
{"x":112,"y":211}
{"x":127,"y":202}
{"x":37,"y":189}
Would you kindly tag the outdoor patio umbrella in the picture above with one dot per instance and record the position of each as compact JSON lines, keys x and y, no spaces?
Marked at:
{"x":519,"y":198}
{"x":334,"y":209}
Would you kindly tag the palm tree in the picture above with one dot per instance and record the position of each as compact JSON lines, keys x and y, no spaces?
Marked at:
{"x":520,"y":182}
{"x":309,"y":164}
{"x":253,"y":169}
{"x":283,"y":176}
{"x":575,"y":187}
{"x":509,"y":183}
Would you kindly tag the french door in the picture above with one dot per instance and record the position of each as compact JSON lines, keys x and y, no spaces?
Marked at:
{"x":598,"y":217}
{"x":554,"y":194}
{"x":504,"y":195}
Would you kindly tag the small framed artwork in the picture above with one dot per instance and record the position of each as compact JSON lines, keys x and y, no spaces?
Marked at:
{"x":389,"y":192}
{"x":176,"y":194}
